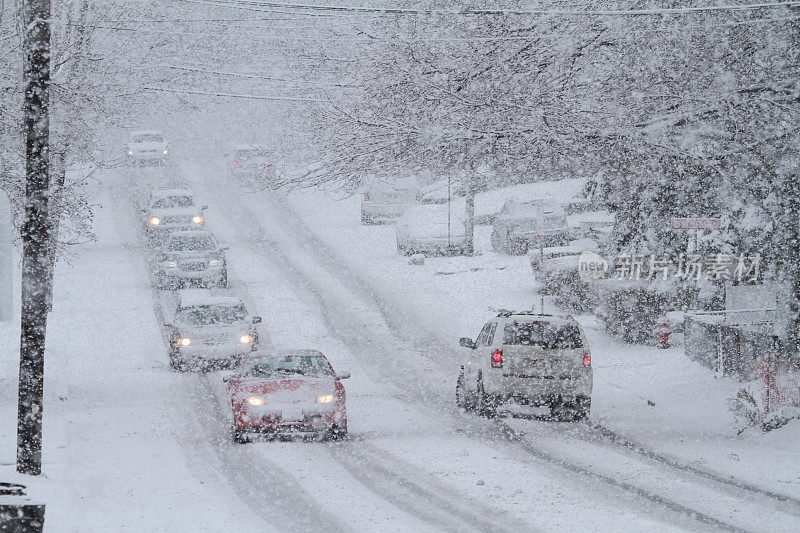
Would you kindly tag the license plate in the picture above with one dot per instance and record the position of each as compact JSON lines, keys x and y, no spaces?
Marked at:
{"x":292,"y":415}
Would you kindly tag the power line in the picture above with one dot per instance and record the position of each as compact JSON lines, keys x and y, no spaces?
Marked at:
{"x":232,"y":95}
{"x":247,"y":4}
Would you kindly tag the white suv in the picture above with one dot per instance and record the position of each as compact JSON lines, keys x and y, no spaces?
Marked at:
{"x":530,"y":359}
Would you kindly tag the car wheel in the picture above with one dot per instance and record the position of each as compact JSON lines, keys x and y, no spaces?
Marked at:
{"x":583,"y":408}
{"x":485,"y":405}
{"x":462,"y":398}
{"x":240,"y":436}
{"x":174,"y":361}
{"x":338,"y":432}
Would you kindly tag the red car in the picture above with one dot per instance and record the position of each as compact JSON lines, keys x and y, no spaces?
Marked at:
{"x":293,"y":391}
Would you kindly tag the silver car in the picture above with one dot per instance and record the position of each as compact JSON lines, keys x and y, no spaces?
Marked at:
{"x":172,"y":209}
{"x":147,"y":146}
{"x":191,"y":258}
{"x":527,"y":359}
{"x":386,"y":202}
{"x":207,"y":331}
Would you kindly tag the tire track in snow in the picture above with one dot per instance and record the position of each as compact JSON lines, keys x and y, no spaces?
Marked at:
{"x":395,"y":484}
{"x":334,"y":317}
{"x":400,"y":326}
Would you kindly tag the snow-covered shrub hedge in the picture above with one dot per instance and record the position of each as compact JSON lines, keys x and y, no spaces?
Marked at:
{"x":629,"y":310}
{"x":569,"y":291}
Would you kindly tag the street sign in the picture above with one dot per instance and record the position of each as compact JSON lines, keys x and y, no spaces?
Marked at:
{"x":695,"y":223}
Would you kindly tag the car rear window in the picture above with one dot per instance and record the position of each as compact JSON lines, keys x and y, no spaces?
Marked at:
{"x":541,"y":333}
{"x":276,"y":366}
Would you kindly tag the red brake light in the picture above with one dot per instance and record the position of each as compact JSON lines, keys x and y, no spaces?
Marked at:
{"x":234,"y":162}
{"x":587,"y":360}
{"x":497,"y":359}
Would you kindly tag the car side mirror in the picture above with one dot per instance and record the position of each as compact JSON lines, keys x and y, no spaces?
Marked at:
{"x":466,"y":342}
{"x":204,"y":208}
{"x":343,"y":375}
{"x":256,"y":320}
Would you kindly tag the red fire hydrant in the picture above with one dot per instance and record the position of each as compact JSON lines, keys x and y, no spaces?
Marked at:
{"x":662,"y":331}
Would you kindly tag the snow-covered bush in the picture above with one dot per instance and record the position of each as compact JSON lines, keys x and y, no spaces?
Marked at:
{"x":749,"y":410}
{"x":569,"y":290}
{"x":629,"y":310}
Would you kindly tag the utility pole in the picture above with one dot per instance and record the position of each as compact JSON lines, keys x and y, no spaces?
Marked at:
{"x":35,"y":235}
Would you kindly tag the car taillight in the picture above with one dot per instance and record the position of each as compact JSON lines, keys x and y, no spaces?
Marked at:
{"x":234,"y":163}
{"x":587,"y":360}
{"x":497,"y":359}
{"x":366,"y":197}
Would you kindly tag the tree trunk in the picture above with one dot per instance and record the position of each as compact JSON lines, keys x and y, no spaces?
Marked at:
{"x":35,"y":236}
{"x":470,"y":221}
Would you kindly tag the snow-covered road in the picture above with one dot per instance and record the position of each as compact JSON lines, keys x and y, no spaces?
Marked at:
{"x":131,"y":444}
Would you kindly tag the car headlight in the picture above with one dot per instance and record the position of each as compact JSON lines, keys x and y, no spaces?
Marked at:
{"x":255,"y":401}
{"x":325,"y":399}
{"x":184,"y":341}
{"x":197,"y":219}
{"x":165,"y":152}
{"x":246,"y":339}
{"x":214,"y":262}
{"x":171,"y":264}
{"x":155,"y":221}
{"x":130,"y":152}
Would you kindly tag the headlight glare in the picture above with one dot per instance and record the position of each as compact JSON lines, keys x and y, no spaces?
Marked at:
{"x":197,"y":219}
{"x":185,"y":341}
{"x":255,"y":401}
{"x":165,"y":152}
{"x":155,"y":221}
{"x":325,"y":399}
{"x":246,"y":339}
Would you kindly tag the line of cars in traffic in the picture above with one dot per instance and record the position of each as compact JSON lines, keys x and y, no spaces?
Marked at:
{"x":208,"y":327}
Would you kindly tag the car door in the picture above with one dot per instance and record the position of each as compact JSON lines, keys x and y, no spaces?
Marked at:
{"x":479,"y":357}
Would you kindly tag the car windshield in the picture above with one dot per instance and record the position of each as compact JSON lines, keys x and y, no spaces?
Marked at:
{"x":304,"y":365}
{"x":544,"y":334}
{"x":200,"y":242}
{"x":148,"y":138}
{"x":173,"y":201}
{"x":207,"y":315}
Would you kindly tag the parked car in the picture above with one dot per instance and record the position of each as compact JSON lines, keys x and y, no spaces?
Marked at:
{"x":551,"y":256}
{"x":252,"y":163}
{"x":208,"y":330}
{"x":386,"y":202}
{"x":191,"y":258}
{"x":429,"y":229}
{"x":291,"y":391}
{"x":522,"y":225}
{"x":147,"y":146}
{"x":527,"y":358}
{"x":173,"y":209}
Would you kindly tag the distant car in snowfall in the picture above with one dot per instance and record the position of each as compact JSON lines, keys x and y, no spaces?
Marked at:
{"x":429,"y":229}
{"x":252,"y":163}
{"x":527,"y":358}
{"x":208,"y":330}
{"x":147,"y":146}
{"x":523,"y":225}
{"x":191,"y":258}
{"x":291,"y":391}
{"x":385,"y":202}
{"x":173,"y":209}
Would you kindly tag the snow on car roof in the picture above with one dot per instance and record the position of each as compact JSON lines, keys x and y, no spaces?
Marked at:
{"x":176,"y":191}
{"x":194,"y":297}
{"x":147,"y":132}
{"x":190,"y":233}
